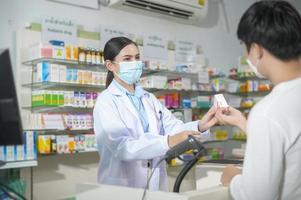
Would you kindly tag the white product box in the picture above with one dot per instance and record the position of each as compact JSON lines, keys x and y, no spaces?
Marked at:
{"x":40,"y":50}
{"x":156,"y":82}
{"x":53,"y":121}
{"x":80,"y":76}
{"x":220,"y":101}
{"x":20,"y":152}
{"x":2,"y":154}
{"x":30,"y":145}
{"x":186,"y":83}
{"x":62,"y":73}
{"x":54,"y":73}
{"x":62,"y":144}
{"x":10,"y":153}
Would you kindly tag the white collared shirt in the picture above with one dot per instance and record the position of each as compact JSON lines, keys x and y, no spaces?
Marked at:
{"x":272,"y":166}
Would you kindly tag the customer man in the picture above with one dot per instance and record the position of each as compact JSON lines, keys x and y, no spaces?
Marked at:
{"x":271,"y":32}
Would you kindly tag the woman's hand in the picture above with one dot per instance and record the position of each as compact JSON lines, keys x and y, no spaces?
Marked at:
{"x":231,"y":116}
{"x":173,"y":140}
{"x":208,"y":120}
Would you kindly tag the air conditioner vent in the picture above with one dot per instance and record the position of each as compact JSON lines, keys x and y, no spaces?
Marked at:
{"x":159,"y":8}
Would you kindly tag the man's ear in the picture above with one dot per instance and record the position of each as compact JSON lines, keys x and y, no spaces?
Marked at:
{"x":257,"y":51}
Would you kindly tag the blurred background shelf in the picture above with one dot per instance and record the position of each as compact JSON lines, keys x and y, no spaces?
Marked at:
{"x":63,"y":86}
{"x":70,"y":63}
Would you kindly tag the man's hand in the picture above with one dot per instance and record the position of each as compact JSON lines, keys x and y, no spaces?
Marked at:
{"x":228,"y":173}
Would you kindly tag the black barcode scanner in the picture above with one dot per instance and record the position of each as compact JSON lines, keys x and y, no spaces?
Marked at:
{"x":191,"y":143}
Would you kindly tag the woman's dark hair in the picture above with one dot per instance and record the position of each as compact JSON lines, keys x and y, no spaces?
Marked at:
{"x":274,"y":25}
{"x":111,"y":50}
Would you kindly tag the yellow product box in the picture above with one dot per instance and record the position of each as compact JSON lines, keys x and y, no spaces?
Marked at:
{"x":220,"y":134}
{"x":44,"y":144}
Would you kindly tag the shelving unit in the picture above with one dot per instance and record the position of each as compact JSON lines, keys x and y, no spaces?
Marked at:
{"x":19,"y":164}
{"x":63,"y":86}
{"x":58,"y":109}
{"x":65,"y":131}
{"x":70,"y":63}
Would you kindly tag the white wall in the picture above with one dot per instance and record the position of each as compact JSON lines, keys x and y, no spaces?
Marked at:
{"x":216,"y":34}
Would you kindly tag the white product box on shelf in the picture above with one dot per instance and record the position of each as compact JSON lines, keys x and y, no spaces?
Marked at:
{"x":62,"y":73}
{"x":31,"y":149}
{"x":186,"y":83}
{"x":155,"y":82}
{"x":40,"y":50}
{"x":20,"y":152}
{"x":54,"y":73}
{"x":2,"y":154}
{"x":62,"y":144}
{"x":53,"y":121}
{"x":26,"y":151}
{"x":10,"y":153}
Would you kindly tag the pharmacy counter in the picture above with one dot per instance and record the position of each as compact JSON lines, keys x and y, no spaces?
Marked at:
{"x":108,"y":192}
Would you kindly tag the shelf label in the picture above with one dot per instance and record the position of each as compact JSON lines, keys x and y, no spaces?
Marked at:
{"x":107,"y":33}
{"x":185,"y":51}
{"x":54,"y":28}
{"x":155,"y":47}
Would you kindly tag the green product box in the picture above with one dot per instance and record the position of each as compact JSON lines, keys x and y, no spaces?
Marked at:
{"x":38,"y":98}
{"x":61,"y":99}
{"x":54,"y":98}
{"x":203,"y":104}
{"x":47,"y":96}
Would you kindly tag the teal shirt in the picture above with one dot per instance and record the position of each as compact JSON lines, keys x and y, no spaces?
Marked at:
{"x":135,"y":98}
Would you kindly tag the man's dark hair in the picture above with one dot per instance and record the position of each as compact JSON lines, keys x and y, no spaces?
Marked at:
{"x":274,"y":25}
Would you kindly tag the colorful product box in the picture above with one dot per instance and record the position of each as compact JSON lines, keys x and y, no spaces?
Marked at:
{"x":43,"y":72}
{"x":44,"y":144}
{"x":40,"y":50}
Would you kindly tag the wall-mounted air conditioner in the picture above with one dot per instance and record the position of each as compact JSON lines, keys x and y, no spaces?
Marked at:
{"x":181,"y":11}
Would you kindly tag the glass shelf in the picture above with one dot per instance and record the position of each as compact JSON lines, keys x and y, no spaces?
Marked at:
{"x":170,"y":74}
{"x":169,"y":90}
{"x":223,"y":140}
{"x":248,"y":78}
{"x":224,"y":161}
{"x":63,"y":86}
{"x":256,"y":93}
{"x":19,"y":164}
{"x":58,"y":109}
{"x":62,"y":132}
{"x":199,"y":92}
{"x":73,"y":63}
{"x":71,"y":153}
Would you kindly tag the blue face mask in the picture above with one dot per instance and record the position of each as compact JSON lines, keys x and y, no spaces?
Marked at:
{"x":130,"y":72}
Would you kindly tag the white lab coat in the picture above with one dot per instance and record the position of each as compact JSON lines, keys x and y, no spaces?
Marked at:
{"x":123,"y":146}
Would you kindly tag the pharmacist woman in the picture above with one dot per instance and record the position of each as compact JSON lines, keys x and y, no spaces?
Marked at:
{"x":133,"y":129}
